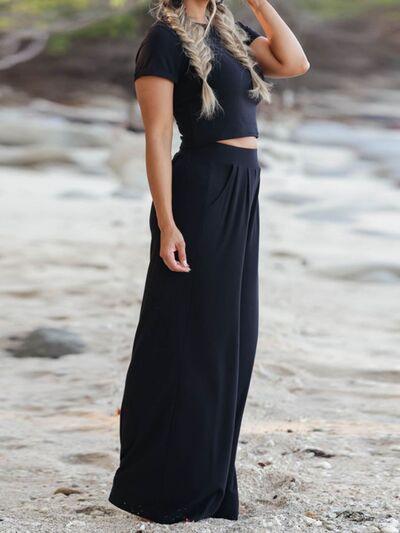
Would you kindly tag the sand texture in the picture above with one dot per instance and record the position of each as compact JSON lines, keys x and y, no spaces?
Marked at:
{"x":320,"y":442}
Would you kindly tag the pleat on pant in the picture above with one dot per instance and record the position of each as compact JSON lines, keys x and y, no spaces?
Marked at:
{"x":194,"y":347}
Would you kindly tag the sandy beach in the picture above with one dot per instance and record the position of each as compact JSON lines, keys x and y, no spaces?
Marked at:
{"x":320,"y":442}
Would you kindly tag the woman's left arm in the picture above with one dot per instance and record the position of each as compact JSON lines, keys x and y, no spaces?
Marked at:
{"x":280,"y":54}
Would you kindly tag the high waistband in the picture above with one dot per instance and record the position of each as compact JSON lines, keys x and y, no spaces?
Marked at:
{"x":222,"y":153}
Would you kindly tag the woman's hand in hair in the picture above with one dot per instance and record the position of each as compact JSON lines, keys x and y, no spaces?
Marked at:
{"x":172,"y":242}
{"x":254,"y":4}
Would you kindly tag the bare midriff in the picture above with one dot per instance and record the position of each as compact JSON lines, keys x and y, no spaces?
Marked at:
{"x":241,"y":142}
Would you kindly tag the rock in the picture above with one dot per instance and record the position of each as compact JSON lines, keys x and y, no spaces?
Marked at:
{"x":98,"y":459}
{"x":354,"y":516}
{"x":50,"y":132}
{"x":76,"y":194}
{"x":336,"y":215}
{"x":319,"y":453}
{"x":392,"y":526}
{"x":95,"y":510}
{"x":290,"y":198}
{"x":311,"y":521}
{"x":75,"y":525}
{"x":267,"y":523}
{"x":127,"y":193}
{"x":37,"y":156}
{"x":325,"y":465}
{"x":339,"y":165}
{"x":49,"y":342}
{"x":127,"y":160}
{"x":135,"y":117}
{"x":371,"y":143}
{"x":389,"y":528}
{"x":367,"y":273}
{"x":264,"y":464}
{"x":67,"y":491}
{"x":115,"y":112}
{"x":32,"y":156}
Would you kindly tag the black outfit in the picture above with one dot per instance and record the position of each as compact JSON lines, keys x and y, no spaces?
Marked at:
{"x":161,"y":54}
{"x":195,"y":343}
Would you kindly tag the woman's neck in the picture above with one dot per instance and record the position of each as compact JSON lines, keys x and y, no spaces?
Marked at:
{"x":196,"y":10}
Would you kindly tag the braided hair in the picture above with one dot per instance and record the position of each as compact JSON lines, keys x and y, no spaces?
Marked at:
{"x":199,"y":52}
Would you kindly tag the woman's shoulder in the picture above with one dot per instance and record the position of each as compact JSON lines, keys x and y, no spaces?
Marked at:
{"x":162,"y":34}
{"x":160,"y":53}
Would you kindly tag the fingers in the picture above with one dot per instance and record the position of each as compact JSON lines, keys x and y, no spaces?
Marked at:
{"x":181,"y":248}
{"x":173,"y":242}
{"x":174,"y":265}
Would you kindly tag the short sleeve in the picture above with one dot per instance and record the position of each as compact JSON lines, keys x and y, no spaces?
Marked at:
{"x":160,"y":54}
{"x":251,"y":34}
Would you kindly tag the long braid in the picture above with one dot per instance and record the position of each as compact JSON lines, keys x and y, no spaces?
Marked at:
{"x":197,"y":50}
{"x":199,"y":53}
{"x":233,"y":38}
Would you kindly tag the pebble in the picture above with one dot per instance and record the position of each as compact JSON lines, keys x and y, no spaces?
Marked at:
{"x":269,"y":525}
{"x":126,"y":193}
{"x":392,"y":526}
{"x":319,"y":453}
{"x":75,"y":525}
{"x":266,"y":523}
{"x":389,"y":529}
{"x":311,"y":521}
{"x":67,"y":491}
{"x":324,"y":464}
{"x":263,"y":464}
{"x":78,"y":195}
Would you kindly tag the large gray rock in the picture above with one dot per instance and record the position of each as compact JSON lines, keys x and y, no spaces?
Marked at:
{"x":49,"y":342}
{"x":36,"y":130}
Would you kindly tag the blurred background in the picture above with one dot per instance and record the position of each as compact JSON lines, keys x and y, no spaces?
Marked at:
{"x":320,"y":443}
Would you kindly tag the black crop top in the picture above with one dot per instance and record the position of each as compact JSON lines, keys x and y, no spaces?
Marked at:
{"x":161,"y":54}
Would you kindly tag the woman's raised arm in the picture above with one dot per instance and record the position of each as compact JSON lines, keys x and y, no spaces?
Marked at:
{"x":279,"y":54}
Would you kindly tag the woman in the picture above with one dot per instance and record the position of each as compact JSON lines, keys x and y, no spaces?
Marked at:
{"x":195,"y":343}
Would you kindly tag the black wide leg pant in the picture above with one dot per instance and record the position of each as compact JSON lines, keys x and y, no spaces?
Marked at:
{"x":194,"y":347}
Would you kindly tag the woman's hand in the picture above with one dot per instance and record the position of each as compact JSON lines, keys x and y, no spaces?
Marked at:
{"x":254,"y":4}
{"x":172,"y":241}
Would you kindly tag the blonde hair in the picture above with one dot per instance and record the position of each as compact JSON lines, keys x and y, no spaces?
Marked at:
{"x":195,"y":46}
